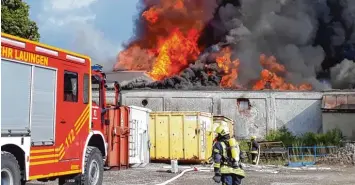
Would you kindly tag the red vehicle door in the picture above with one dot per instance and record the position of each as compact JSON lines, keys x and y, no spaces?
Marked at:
{"x":72,"y":112}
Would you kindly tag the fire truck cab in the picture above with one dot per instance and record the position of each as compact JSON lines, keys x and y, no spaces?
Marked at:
{"x":50,"y":126}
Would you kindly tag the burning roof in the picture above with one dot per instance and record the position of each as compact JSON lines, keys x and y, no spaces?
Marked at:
{"x":128,"y":77}
{"x":242,"y":44}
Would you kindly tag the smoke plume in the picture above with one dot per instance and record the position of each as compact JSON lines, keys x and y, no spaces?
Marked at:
{"x":307,"y":37}
{"x":343,"y":75}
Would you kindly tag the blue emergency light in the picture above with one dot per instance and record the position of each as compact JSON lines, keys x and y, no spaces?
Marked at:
{"x":96,"y":67}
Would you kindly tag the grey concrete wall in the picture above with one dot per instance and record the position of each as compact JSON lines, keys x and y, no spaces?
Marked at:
{"x":298,"y":111}
{"x":343,"y":121}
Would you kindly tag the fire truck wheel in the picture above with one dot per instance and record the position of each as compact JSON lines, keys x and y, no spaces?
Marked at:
{"x":94,"y":167}
{"x":10,"y":170}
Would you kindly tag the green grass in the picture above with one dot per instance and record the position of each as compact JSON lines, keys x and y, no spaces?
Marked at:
{"x":330,"y":138}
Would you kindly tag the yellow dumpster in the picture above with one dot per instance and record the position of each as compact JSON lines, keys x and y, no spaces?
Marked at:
{"x":225,"y":121}
{"x":181,"y":135}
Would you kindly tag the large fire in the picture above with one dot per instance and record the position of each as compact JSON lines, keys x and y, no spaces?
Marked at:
{"x":174,"y":54}
{"x":170,"y":45}
{"x":170,"y":41}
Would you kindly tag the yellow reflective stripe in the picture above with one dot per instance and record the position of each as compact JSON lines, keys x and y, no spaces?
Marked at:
{"x":217,"y":165}
{"x":216,"y":150}
{"x":44,"y":156}
{"x":224,"y":150}
{"x":44,"y":162}
{"x":230,"y":170}
{"x":254,"y":152}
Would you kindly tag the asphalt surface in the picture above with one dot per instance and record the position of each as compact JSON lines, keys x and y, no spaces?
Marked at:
{"x":266,"y":175}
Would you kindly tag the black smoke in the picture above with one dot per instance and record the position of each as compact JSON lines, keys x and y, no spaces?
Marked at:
{"x":309,"y":37}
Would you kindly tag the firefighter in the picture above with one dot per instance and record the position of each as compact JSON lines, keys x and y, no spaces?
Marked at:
{"x":226,"y":157}
{"x":254,"y":149}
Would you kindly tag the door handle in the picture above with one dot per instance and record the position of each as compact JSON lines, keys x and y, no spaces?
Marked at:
{"x":63,"y":121}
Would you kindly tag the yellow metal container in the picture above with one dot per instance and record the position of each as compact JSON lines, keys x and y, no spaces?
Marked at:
{"x":225,"y":121}
{"x":181,"y":135}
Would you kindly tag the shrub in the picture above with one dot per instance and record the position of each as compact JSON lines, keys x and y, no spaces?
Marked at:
{"x":332,"y":137}
{"x":281,"y":135}
{"x":244,"y":145}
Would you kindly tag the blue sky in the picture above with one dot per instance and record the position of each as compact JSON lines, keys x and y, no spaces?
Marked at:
{"x":91,"y":27}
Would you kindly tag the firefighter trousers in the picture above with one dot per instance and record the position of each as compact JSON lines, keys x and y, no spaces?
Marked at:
{"x":254,"y":158}
{"x":231,"y":179}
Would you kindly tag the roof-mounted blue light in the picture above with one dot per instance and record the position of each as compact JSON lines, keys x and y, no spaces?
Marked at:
{"x":97,"y":67}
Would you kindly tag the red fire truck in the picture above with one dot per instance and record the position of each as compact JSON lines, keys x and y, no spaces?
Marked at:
{"x":56,"y":121}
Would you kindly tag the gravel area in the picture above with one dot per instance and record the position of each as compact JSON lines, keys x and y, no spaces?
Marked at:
{"x":265,"y":175}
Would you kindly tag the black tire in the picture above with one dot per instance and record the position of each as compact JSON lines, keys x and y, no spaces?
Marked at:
{"x":93,"y":157}
{"x":10,"y":167}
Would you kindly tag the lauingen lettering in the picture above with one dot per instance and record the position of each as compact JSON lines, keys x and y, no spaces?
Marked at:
{"x":24,"y":56}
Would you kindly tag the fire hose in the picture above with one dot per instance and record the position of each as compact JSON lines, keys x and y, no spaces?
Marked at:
{"x":206,"y":169}
{"x":258,"y":157}
{"x":184,"y":171}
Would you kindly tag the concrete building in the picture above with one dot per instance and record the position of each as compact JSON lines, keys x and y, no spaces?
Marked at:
{"x":338,"y":111}
{"x":254,"y":112}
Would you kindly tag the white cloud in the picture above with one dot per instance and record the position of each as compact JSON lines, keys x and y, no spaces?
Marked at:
{"x":64,"y":12}
{"x":69,"y":20}
{"x":92,"y":42}
{"x":65,"y":5}
{"x":74,"y":21}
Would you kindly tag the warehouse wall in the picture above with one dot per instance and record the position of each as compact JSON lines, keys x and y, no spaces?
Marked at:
{"x":254,"y":112}
{"x":342,"y":121}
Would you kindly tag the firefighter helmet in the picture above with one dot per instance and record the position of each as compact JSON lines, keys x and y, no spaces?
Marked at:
{"x":253,"y":137}
{"x":221,"y":130}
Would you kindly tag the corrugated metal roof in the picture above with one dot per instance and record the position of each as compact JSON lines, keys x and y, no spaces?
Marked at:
{"x":338,"y":102}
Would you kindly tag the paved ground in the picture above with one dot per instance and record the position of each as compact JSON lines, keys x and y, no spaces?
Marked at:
{"x":267,"y":175}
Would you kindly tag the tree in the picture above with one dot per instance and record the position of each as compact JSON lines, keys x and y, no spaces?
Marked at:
{"x":15,"y":20}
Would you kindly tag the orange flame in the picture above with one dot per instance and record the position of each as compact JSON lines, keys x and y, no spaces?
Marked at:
{"x":270,"y":76}
{"x":132,"y":54}
{"x":169,"y":43}
{"x":270,"y":79}
{"x":271,"y":64}
{"x":151,"y":15}
{"x":174,"y":54}
{"x":230,"y":68}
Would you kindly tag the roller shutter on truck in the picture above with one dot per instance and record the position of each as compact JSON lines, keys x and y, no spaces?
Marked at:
{"x":28,"y":101}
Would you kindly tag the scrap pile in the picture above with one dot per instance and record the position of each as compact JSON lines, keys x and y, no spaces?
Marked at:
{"x":343,"y":156}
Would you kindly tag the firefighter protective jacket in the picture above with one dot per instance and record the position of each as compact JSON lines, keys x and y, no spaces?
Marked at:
{"x":222,"y":161}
